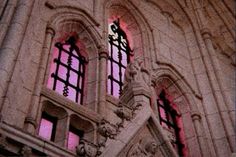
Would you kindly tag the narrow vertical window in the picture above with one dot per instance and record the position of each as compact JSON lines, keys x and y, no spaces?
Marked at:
{"x":47,"y":128}
{"x":119,"y":57}
{"x":169,"y":117}
{"x":68,"y":70}
{"x":74,"y":137}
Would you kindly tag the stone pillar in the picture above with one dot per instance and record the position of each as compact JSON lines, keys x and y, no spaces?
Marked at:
{"x":196,"y":118}
{"x":220,"y":119}
{"x":103,"y":56}
{"x":12,"y":43}
{"x":7,"y":9}
{"x":30,"y":121}
{"x":216,"y":90}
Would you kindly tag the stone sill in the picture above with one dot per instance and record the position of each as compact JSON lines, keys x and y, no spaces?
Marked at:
{"x":66,"y":103}
{"x":34,"y":142}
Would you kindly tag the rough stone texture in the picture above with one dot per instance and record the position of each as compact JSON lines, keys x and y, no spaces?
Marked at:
{"x":187,"y":47}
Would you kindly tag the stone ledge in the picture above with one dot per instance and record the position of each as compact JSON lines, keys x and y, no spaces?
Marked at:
{"x":75,"y":107}
{"x":34,"y":142}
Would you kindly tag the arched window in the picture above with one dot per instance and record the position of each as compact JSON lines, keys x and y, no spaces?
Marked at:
{"x":170,"y":121}
{"x":68,"y":70}
{"x":119,"y":57}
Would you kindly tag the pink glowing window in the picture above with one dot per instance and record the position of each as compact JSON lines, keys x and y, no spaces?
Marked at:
{"x":119,"y":57}
{"x":47,"y":127}
{"x":74,"y":137}
{"x":170,"y":121}
{"x":68,"y":70}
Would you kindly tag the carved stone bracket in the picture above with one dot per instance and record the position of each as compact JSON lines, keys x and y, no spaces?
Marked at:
{"x":126,"y":113}
{"x":87,"y":149}
{"x":107,"y":129}
{"x":26,"y":151}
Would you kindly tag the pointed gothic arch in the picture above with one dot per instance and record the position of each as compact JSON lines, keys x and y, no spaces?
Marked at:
{"x":184,"y":100}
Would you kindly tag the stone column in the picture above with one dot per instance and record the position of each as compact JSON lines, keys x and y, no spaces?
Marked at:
{"x":196,"y":118}
{"x":224,"y":121}
{"x":6,"y":13}
{"x":12,"y":43}
{"x":30,"y":121}
{"x":103,"y":56}
{"x":216,"y":90}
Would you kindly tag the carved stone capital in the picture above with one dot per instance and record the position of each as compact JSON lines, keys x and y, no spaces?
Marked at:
{"x":103,"y":52}
{"x":87,"y":149}
{"x":206,"y":33}
{"x":107,"y":130}
{"x":195,"y":116}
{"x":50,"y":30}
{"x":30,"y":120}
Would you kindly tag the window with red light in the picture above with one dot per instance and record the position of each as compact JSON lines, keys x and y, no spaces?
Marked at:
{"x":119,"y":57}
{"x":47,"y":128}
{"x":169,"y":120}
{"x":68,"y":70}
{"x":74,"y":137}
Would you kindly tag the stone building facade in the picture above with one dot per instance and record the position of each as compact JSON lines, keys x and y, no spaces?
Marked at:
{"x":178,"y":89}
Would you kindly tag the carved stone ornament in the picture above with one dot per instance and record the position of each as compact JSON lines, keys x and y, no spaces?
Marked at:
{"x":26,"y":151}
{"x":169,"y":135}
{"x":146,"y":147}
{"x":87,"y":149}
{"x":107,"y":130}
{"x":125,"y":113}
{"x":136,"y":72}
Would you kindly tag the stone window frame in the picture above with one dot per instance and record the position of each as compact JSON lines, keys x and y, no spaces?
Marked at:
{"x":70,"y":40}
{"x":135,"y":27}
{"x":170,"y":113}
{"x":87,"y":112}
{"x":186,"y":100}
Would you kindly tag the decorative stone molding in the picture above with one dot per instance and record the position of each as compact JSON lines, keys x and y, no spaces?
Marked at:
{"x":107,"y":129}
{"x":136,"y":72}
{"x":26,"y":151}
{"x":87,"y":149}
{"x":146,"y":147}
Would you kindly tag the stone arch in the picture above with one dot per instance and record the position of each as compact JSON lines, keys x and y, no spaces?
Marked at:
{"x":74,"y":20}
{"x":183,"y":97}
{"x":67,"y":21}
{"x":136,"y":24}
{"x":84,"y":125}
